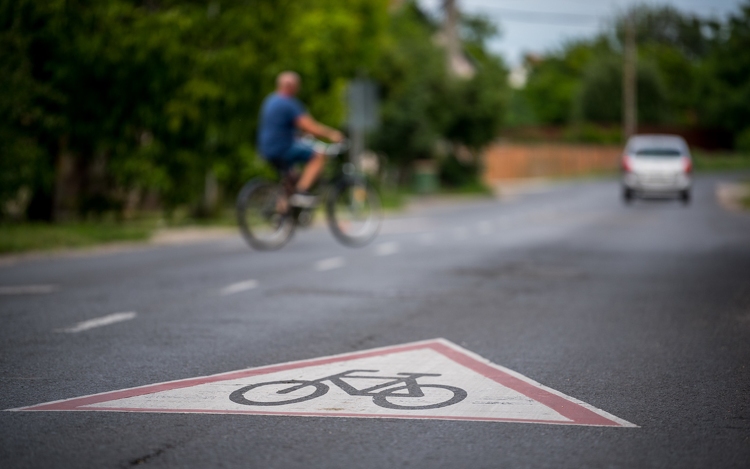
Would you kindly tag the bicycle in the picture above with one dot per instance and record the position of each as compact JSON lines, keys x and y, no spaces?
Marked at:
{"x":380,"y":393}
{"x":353,"y":208}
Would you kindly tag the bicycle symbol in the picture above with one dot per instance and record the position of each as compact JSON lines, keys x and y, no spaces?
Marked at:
{"x":401,"y":388}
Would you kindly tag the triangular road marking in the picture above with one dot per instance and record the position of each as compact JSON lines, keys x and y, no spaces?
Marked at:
{"x":433,"y":379}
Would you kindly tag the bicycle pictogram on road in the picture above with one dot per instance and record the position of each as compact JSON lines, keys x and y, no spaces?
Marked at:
{"x":394,"y":393}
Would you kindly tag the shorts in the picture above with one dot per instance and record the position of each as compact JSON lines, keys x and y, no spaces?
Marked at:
{"x":299,"y":153}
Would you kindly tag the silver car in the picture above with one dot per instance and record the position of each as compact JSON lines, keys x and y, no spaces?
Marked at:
{"x":656,"y":165}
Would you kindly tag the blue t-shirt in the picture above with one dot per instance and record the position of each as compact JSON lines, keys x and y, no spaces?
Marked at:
{"x":277,"y":124}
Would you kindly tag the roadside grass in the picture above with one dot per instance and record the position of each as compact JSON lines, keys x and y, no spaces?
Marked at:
{"x":396,"y":198}
{"x":746,"y":200}
{"x":471,"y":188}
{"x":38,"y":236}
{"x":393,"y":198}
{"x":720,"y":161}
{"x":23,"y":237}
{"x":184,"y":218}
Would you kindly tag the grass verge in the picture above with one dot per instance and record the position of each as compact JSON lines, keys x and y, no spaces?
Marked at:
{"x":746,"y":200}
{"x":397,"y":198}
{"x":24,"y":237}
{"x":43,"y":236}
{"x":706,"y":162}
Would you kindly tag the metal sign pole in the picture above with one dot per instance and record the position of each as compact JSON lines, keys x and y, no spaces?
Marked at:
{"x":363,"y":116}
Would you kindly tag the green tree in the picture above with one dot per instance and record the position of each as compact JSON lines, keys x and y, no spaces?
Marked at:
{"x":600,"y":98}
{"x":581,"y":79}
{"x":411,"y":71}
{"x":135,"y":96}
{"x":554,"y":80}
{"x":422,"y":103}
{"x":724,"y":88}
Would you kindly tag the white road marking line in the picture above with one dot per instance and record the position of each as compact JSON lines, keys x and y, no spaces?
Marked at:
{"x":329,"y":264}
{"x":239,"y":287}
{"x":27,"y":289}
{"x":99,"y":322}
{"x":386,"y":249}
{"x":484,"y":228}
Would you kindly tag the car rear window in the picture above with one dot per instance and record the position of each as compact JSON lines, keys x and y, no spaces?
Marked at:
{"x":658,"y":152}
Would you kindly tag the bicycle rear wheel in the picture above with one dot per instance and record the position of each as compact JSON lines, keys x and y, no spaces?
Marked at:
{"x":354,"y":212}
{"x":297,"y":390}
{"x":260,"y":217}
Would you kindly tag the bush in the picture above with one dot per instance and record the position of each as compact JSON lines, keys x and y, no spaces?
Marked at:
{"x":601,"y":92}
{"x":742,"y":141}
{"x":454,"y":173}
{"x":590,"y":133}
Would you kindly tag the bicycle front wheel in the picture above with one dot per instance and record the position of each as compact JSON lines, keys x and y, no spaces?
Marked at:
{"x":354,"y":212}
{"x":263,"y":216}
{"x":435,"y":397}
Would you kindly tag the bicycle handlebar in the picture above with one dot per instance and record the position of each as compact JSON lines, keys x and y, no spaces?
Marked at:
{"x":335,"y":149}
{"x":328,"y":149}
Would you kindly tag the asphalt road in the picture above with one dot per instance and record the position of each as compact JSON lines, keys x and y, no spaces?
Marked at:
{"x":642,"y":311}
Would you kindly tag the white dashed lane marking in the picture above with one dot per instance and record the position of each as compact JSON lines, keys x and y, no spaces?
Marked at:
{"x":27,"y":289}
{"x":329,"y":264}
{"x":99,"y":322}
{"x":239,"y":287}
{"x":386,"y":249}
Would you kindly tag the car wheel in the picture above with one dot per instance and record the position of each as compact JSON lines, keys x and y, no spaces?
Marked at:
{"x":627,"y":195}
{"x":685,"y":196}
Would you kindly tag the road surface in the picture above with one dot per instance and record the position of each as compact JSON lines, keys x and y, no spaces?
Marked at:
{"x":641,"y":311}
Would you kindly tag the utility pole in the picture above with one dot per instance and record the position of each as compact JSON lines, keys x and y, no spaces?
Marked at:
{"x":629,"y":79}
{"x":452,"y":46}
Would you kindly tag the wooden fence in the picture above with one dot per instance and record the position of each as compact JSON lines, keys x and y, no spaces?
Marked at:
{"x":503,"y":161}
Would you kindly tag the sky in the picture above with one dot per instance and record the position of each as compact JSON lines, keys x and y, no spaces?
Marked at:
{"x":541,"y":25}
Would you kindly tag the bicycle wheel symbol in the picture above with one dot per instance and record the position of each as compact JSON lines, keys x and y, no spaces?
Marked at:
{"x":403,"y":392}
{"x":454,"y":396}
{"x":289,"y":392}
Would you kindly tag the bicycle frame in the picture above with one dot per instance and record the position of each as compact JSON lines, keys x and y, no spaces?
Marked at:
{"x":359,"y":209}
{"x":409,"y":382}
{"x":343,"y":171}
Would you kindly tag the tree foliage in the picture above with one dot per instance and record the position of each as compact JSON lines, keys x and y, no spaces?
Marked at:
{"x":114,"y":102}
{"x":724,"y":91}
{"x":692,"y":72}
{"x":159,"y":93}
{"x":600,"y":96}
{"x":423,"y":105}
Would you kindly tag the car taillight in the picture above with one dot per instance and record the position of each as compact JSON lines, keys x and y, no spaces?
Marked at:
{"x":688,"y":166}
{"x":627,"y":165}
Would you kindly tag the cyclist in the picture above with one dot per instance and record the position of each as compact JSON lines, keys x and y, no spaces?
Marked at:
{"x":281,"y":117}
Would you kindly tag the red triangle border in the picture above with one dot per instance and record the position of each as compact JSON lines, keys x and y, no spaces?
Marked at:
{"x":576,"y":411}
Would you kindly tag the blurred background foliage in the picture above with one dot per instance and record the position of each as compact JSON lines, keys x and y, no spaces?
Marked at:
{"x":426,"y":112}
{"x":115,"y":107}
{"x":693,"y":74}
{"x":125,"y":102}
{"x":123,"y":105}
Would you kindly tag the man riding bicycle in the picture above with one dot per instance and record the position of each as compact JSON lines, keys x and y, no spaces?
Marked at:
{"x":282,"y":115}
